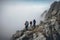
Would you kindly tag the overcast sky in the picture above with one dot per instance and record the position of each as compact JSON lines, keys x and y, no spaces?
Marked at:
{"x":15,"y":13}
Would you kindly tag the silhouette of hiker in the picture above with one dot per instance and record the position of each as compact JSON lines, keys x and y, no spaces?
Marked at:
{"x":34,"y":23}
{"x":30,"y":23}
{"x":26,"y":25}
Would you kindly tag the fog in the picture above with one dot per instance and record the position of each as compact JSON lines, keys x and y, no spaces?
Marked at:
{"x":14,"y":15}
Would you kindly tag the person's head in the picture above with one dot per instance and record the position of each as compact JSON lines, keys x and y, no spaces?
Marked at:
{"x":34,"y":19}
{"x":26,"y":21}
{"x":30,"y":21}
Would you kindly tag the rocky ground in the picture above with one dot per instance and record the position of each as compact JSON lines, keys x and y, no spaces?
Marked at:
{"x":49,"y":29}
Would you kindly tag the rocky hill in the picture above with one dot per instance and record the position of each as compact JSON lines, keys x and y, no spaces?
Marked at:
{"x":49,"y":29}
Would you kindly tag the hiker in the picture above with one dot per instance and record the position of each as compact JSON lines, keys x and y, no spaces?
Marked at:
{"x":30,"y":23}
{"x":26,"y":25}
{"x":34,"y":23}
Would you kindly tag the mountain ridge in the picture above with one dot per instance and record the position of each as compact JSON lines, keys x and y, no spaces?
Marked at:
{"x":49,"y":29}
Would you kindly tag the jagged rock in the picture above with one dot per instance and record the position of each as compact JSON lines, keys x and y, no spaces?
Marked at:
{"x":54,"y":12}
{"x":55,"y":7}
{"x":40,"y":37}
{"x":17,"y":35}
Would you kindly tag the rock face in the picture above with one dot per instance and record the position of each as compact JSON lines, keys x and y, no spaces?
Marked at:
{"x":54,"y":9}
{"x":49,"y":29}
{"x":53,"y":21}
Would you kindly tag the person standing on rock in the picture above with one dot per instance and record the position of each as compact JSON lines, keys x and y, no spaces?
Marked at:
{"x":31,"y":23}
{"x":34,"y":23}
{"x":26,"y":25}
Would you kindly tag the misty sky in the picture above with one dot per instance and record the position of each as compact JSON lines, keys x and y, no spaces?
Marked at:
{"x":15,"y":13}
